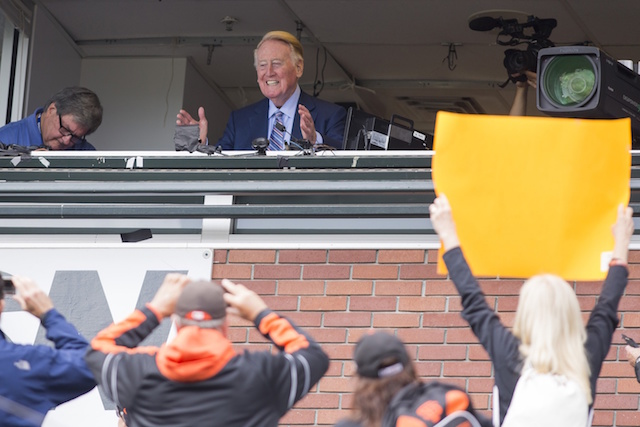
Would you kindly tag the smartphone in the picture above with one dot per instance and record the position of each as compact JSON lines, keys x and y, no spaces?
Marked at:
{"x":630,"y":341}
{"x":9,"y":288}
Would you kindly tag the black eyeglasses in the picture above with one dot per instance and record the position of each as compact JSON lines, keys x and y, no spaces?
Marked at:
{"x":64,"y":131}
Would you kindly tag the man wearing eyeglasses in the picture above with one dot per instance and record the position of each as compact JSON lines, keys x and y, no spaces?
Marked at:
{"x":62,"y":124}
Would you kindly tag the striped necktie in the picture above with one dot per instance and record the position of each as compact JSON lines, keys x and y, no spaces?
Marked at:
{"x":276,"y":140}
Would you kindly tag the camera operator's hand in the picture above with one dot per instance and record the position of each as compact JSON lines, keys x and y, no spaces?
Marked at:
{"x":532,"y":79}
{"x":242,"y":301}
{"x":30,"y":297}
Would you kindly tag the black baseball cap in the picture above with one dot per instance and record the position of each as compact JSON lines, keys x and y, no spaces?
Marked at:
{"x":380,"y":355}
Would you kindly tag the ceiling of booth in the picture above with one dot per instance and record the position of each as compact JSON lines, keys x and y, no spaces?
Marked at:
{"x":387,"y":56}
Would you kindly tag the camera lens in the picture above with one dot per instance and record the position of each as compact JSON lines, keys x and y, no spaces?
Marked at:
{"x":569,"y":80}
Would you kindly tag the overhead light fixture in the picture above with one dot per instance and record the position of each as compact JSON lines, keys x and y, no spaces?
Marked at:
{"x":229,"y":22}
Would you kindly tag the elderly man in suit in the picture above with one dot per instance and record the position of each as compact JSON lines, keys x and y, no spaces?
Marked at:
{"x":279,"y":64}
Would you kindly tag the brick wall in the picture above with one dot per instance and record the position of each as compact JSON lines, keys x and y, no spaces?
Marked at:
{"x":337,"y":295}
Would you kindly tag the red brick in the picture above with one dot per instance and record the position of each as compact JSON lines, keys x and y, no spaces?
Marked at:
{"x":480,"y":401}
{"x":507,"y":303}
{"x":454,"y":304}
{"x":432,"y":257}
{"x":627,"y":385}
{"x":305,"y":319}
{"x":480,"y":385}
{"x":634,"y":271}
{"x":501,"y":287}
{"x":276,"y":271}
{"x":588,"y":288}
{"x":331,"y":416}
{"x":335,"y":384}
{"x":629,"y":303}
{"x":252,"y":256}
{"x":442,"y":352}
{"x":606,"y":385}
{"x":256,"y":337}
{"x":602,"y":418}
{"x":615,"y":369}
{"x":302,"y":256}
{"x":397,"y":256}
{"x":325,"y":335}
{"x":352,"y":256}
{"x":361,"y":303}
{"x":616,"y":401}
{"x":440,"y":287}
{"x":630,"y":320}
{"x":356,"y":333}
{"x":477,"y":352}
{"x":323,"y":303}
{"x":467,"y":369}
{"x":300,"y":287}
{"x":349,"y":287}
{"x":336,"y":368}
{"x":261,"y":287}
{"x":240,"y":348}
{"x":396,"y":320}
{"x":237,"y":335}
{"x":299,"y":416}
{"x":398,"y":287}
{"x":233,"y":272}
{"x":422,"y":336}
{"x":422,"y":304}
{"x":237,"y":321}
{"x":428,"y":369}
{"x":339,"y":351}
{"x":587,"y":303}
{"x":422,"y":271}
{"x":627,"y":418}
{"x":443,"y":320}
{"x":461,"y":335}
{"x":347,"y":320}
{"x":364,"y":271}
{"x":319,"y":400}
{"x":281,"y":303}
{"x":326,"y":272}
{"x":634,"y":257}
{"x":220,"y":256}
{"x":633,"y":287}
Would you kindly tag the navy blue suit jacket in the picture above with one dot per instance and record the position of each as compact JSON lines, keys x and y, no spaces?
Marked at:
{"x":251,"y":122}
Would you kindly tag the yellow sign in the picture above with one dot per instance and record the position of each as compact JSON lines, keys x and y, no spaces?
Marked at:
{"x":533,"y":195}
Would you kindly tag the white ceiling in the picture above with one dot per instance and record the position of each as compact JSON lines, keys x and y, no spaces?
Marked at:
{"x":378,"y":51}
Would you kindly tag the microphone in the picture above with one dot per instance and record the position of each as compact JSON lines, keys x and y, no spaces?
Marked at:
{"x":484,"y":23}
{"x":260,"y":144}
{"x":302,"y":144}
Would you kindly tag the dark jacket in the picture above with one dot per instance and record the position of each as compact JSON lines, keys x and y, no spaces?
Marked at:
{"x":502,"y":345}
{"x":251,"y":122}
{"x":39,"y":377}
{"x":197,"y":379}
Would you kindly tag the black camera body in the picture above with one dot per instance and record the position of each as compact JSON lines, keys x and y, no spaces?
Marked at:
{"x":9,"y":287}
{"x":535,"y":32}
{"x":517,"y":61}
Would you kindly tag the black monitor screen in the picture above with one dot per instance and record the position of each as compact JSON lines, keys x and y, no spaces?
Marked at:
{"x":355,"y":129}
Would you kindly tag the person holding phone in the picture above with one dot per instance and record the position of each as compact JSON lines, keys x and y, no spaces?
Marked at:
{"x":633,"y":354}
{"x":36,"y":378}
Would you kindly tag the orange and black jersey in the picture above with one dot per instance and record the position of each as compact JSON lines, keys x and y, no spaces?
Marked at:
{"x":198,"y":379}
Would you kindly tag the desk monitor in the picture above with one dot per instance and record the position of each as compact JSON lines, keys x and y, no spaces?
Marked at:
{"x":364,"y":131}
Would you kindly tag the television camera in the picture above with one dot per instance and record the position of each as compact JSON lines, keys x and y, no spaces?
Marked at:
{"x":513,"y":33}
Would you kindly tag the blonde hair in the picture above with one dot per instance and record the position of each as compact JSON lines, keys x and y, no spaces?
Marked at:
{"x":549,"y":325}
{"x":297,"y":53}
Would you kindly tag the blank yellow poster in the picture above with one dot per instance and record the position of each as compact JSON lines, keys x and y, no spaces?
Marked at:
{"x":533,"y":195}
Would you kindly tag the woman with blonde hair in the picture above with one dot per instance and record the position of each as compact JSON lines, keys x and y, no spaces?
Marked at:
{"x":549,"y":342}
